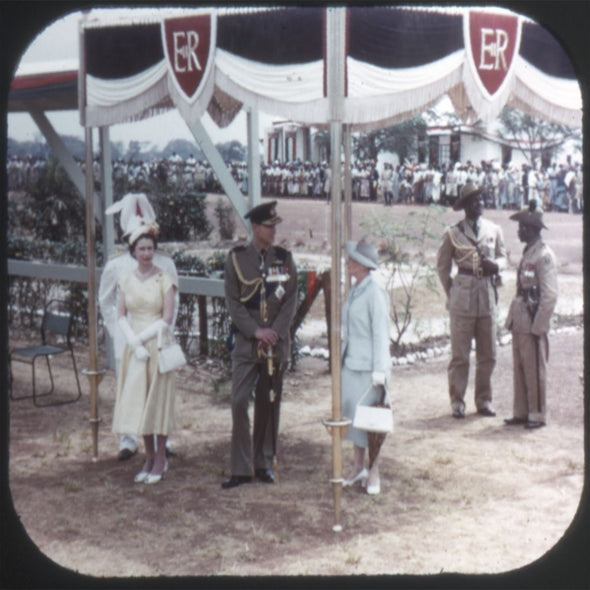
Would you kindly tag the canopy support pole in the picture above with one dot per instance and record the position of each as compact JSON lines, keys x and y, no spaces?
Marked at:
{"x":58,"y":147}
{"x":223,"y":174}
{"x":107,"y":221}
{"x":94,"y":376}
{"x":335,"y":43}
{"x":347,"y":221}
{"x":254,"y":190}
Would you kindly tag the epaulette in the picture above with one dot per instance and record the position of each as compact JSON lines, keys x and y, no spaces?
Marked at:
{"x":239,"y":248}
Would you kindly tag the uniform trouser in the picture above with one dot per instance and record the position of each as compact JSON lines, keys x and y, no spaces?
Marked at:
{"x":529,"y":355}
{"x":463,"y":331}
{"x":248,"y":376}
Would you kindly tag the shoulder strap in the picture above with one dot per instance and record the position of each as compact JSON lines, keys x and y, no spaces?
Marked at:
{"x":254,"y":283}
{"x":467,"y":250}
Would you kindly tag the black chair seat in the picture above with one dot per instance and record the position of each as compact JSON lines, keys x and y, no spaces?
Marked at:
{"x":40,"y":350}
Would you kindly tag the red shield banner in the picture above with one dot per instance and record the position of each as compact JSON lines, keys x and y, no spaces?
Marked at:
{"x":492,"y":41}
{"x":189,"y":47}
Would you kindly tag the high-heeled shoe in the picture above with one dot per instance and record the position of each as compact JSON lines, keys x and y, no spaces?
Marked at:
{"x":375,"y":488}
{"x":156,"y":477}
{"x":141,"y":476}
{"x":361,"y":475}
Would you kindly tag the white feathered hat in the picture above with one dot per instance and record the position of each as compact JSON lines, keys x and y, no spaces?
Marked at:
{"x":135,"y":210}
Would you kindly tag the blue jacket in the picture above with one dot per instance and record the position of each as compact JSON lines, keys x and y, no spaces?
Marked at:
{"x":365,"y":328}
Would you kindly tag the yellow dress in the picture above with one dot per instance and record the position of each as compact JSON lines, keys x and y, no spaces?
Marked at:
{"x":145,"y":398}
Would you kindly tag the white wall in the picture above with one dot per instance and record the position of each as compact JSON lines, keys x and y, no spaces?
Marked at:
{"x":477,"y":149}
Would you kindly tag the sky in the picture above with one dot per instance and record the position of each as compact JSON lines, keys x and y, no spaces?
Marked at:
{"x":58,"y":42}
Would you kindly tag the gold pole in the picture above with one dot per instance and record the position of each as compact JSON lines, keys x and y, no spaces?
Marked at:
{"x":335,"y":33}
{"x":93,"y":375}
{"x":347,"y":216}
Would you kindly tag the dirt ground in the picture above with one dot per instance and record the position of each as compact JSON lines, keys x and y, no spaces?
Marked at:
{"x":465,"y":497}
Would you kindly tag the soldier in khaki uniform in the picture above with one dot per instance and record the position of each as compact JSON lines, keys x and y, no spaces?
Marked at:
{"x":261,"y":296}
{"x":529,"y":319}
{"x":476,"y":247}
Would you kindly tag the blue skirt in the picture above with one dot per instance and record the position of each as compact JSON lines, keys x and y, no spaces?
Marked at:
{"x":354,"y":386}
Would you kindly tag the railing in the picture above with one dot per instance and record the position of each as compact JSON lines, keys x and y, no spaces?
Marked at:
{"x":201,"y":286}
{"x":208,"y":287}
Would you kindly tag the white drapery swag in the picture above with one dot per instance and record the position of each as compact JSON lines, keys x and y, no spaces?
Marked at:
{"x":376,"y":96}
{"x":126,"y":99}
{"x":293,"y":91}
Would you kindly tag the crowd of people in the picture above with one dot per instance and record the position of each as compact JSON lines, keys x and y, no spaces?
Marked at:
{"x":137,"y":175}
{"x":557,"y":187}
{"x":510,"y":186}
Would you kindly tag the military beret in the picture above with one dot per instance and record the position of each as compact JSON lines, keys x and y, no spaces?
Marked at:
{"x":265,"y":214}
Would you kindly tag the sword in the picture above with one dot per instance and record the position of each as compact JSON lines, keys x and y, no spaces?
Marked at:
{"x":268,"y":353}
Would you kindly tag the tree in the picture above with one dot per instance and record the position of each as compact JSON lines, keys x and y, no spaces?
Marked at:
{"x":405,"y":250}
{"x":533,"y":136}
{"x":232,"y":151}
{"x":400,"y":138}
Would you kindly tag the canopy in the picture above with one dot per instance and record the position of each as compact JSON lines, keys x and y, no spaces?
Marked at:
{"x":398,"y":62}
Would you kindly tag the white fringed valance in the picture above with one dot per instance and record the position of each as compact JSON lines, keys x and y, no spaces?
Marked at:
{"x":545,"y":96}
{"x":127,"y":99}
{"x":107,"y":93}
{"x":376,"y":96}
{"x":379,"y":96}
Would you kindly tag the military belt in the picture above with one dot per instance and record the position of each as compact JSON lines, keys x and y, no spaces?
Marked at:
{"x":469,"y":271}
{"x":527,"y":293}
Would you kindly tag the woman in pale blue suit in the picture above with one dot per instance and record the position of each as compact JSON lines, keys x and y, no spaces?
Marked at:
{"x":366,"y":360}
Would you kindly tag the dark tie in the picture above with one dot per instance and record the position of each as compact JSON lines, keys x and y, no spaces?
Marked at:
{"x":476,"y":227}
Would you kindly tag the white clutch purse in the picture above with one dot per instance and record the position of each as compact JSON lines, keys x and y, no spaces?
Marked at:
{"x":375,"y":418}
{"x":170,"y":357}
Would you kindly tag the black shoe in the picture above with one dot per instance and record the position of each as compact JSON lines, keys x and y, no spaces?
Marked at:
{"x":265,"y":475}
{"x":486,"y":412}
{"x":458,"y":413}
{"x":534,"y":424}
{"x":125,"y":454}
{"x":236,"y":480}
{"x":514,"y":421}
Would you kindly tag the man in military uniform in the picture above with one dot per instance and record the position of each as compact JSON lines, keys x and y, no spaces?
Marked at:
{"x":476,"y":247}
{"x":261,"y":297}
{"x":529,"y":320}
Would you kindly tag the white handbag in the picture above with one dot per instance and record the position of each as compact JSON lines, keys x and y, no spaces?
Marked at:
{"x":170,"y":357}
{"x":375,"y":418}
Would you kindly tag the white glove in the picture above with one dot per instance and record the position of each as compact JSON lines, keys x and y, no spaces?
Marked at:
{"x":141,"y":353}
{"x":152,"y":330}
{"x":133,"y":340}
{"x":378,"y":378}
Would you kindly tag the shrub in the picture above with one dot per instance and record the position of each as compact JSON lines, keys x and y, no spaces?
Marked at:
{"x":181,"y":216}
{"x":225,"y":219}
{"x":405,"y":247}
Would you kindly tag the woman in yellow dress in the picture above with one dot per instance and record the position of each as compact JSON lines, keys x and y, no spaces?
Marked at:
{"x":145,"y":397}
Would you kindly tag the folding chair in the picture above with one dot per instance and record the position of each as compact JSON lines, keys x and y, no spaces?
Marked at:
{"x":56,"y":330}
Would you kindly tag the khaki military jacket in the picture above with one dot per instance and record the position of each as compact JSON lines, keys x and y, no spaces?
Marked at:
{"x":473,"y":294}
{"x":260,"y":295}
{"x":537,"y":276}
